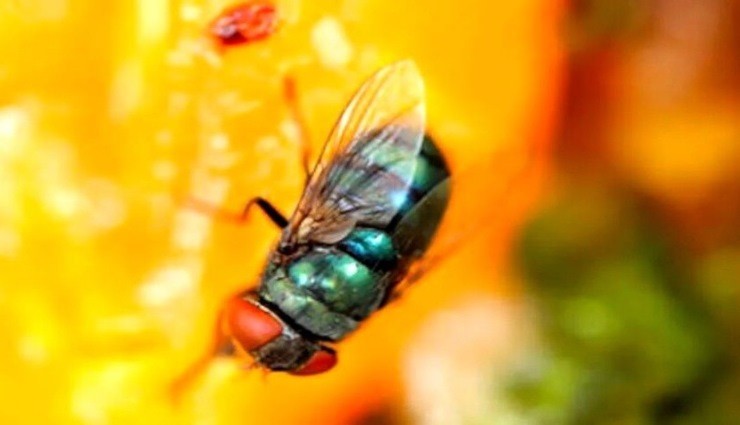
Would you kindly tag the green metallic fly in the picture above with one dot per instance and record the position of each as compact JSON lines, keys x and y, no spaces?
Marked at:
{"x":370,"y":209}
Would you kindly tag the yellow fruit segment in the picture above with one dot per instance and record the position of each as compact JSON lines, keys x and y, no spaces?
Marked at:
{"x":113,"y":114}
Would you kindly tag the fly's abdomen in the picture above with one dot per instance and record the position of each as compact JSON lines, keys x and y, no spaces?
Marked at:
{"x":413,"y":228}
{"x":372,"y":247}
{"x":431,"y":169}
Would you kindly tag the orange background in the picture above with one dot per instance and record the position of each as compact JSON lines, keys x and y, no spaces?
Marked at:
{"x":111,"y":113}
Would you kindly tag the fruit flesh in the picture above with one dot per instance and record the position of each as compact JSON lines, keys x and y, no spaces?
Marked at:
{"x":112,"y":112}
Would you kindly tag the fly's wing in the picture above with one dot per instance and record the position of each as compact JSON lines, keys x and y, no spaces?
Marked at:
{"x":368,"y":161}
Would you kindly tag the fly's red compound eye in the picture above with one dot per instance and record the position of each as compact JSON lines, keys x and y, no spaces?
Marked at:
{"x":244,"y":23}
{"x":320,"y":362}
{"x":251,"y":326}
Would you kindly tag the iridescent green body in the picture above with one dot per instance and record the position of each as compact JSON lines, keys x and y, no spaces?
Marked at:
{"x":325,"y":290}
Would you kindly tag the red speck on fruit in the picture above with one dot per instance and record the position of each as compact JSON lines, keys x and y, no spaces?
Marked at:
{"x":244,"y":23}
{"x":251,"y":326}
{"x":320,"y":362}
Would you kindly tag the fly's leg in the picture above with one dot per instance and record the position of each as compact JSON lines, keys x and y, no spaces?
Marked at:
{"x":268,"y":209}
{"x":240,"y":218}
{"x":291,"y":99}
{"x":290,"y":93}
{"x":220,"y":346}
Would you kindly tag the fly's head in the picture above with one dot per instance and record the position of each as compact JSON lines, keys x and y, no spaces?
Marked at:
{"x":272,"y":342}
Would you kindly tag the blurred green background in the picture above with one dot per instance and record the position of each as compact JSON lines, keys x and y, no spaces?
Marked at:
{"x":633,"y":260}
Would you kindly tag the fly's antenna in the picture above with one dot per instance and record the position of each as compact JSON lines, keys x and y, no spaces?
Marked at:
{"x":221,"y":346}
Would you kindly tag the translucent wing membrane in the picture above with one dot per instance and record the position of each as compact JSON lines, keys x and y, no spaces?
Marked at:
{"x":368,"y":161}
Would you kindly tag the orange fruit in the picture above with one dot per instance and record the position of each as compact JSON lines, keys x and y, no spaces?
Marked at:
{"x":112,"y":113}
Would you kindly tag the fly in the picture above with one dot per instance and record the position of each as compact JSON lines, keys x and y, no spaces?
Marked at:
{"x":370,"y":208}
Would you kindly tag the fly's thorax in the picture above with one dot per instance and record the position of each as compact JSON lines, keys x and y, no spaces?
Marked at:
{"x":299,"y":305}
{"x":328,"y":290}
